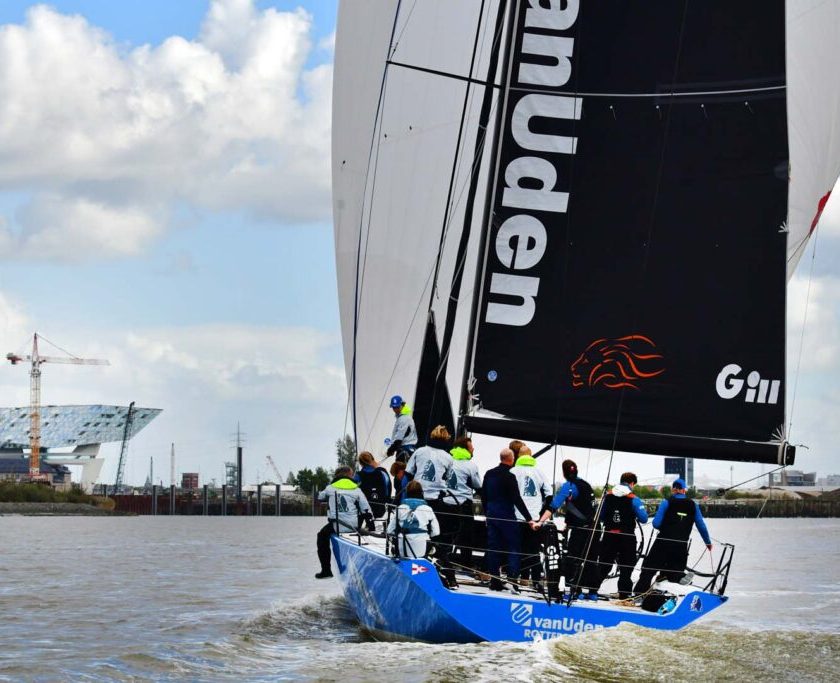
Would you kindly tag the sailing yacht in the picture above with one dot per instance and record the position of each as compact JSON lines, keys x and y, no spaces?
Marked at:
{"x":572,"y":223}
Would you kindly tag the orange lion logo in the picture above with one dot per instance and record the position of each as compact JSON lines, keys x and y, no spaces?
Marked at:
{"x":617,"y":363}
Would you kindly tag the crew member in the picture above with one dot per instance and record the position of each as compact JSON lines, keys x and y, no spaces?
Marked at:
{"x":401,"y":480}
{"x":374,"y":482}
{"x":619,"y":513}
{"x":515,"y":445}
{"x":500,"y":497}
{"x":580,"y":567}
{"x":432,"y":466}
{"x":414,"y":523}
{"x":348,"y":506}
{"x":463,"y":483}
{"x":669,"y":554}
{"x":404,"y":434}
{"x":534,"y":490}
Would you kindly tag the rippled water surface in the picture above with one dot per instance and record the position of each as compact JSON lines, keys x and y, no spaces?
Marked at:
{"x":192,"y":598}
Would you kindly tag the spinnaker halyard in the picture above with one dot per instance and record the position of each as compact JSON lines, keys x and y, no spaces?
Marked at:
{"x":573,"y":222}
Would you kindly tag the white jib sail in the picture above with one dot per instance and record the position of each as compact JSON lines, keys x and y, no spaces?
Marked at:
{"x":393,"y":149}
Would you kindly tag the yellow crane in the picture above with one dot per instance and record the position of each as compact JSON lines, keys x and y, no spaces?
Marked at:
{"x":35,"y":396}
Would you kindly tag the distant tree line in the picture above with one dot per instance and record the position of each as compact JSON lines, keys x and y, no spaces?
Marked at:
{"x":307,"y":480}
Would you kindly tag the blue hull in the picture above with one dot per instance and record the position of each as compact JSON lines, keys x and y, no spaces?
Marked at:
{"x":406,"y":598}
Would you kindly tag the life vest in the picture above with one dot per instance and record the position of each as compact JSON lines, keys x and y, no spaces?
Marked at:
{"x":678,"y":520}
{"x":373,"y":486}
{"x":619,"y":514}
{"x":581,"y":510}
{"x":408,"y":523}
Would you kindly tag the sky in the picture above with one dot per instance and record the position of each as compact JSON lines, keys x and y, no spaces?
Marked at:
{"x":165,"y":204}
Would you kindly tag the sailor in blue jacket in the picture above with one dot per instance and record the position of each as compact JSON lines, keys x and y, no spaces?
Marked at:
{"x":669,"y":554}
{"x":374,"y":482}
{"x":578,"y":500}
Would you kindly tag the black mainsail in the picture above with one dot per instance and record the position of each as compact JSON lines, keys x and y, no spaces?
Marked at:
{"x":633,"y":291}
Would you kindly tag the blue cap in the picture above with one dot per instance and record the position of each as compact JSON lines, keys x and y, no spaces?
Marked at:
{"x":679,"y":484}
{"x":396,"y":401}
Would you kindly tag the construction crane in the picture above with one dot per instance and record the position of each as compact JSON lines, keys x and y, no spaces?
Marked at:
{"x":274,"y":469}
{"x":36,"y":359}
{"x":129,"y":420}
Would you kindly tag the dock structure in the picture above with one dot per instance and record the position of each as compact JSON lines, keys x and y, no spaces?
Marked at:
{"x":264,"y":500}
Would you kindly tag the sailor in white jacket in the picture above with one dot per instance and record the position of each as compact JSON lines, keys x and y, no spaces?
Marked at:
{"x":348,"y":506}
{"x":414,"y":523}
{"x":534,"y":489}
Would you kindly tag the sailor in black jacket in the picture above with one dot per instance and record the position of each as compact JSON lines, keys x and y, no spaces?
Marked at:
{"x":499,"y":496}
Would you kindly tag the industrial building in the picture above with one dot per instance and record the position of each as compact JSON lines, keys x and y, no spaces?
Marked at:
{"x":793,"y":478}
{"x":70,"y":436}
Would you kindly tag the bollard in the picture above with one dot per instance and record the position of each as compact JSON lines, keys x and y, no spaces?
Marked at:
{"x":154,"y":499}
{"x":206,"y":506}
{"x":172,"y":499}
{"x":224,"y":500}
{"x":259,"y":500}
{"x":278,"y":501}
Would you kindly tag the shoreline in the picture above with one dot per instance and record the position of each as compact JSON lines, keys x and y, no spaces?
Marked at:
{"x":55,"y":509}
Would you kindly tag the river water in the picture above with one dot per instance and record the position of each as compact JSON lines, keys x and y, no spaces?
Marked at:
{"x":194,"y":598}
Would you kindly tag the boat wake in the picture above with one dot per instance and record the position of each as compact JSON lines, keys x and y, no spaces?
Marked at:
{"x":313,"y":617}
{"x":705,"y":653}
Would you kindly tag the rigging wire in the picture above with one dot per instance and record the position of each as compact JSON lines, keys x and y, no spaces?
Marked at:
{"x":720,"y":492}
{"x":447,"y":218}
{"x":487,"y":111}
{"x":463,"y":188}
{"x":802,"y":334}
{"x":373,"y":164}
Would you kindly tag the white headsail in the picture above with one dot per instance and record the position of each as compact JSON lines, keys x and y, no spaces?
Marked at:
{"x":395,"y":137}
{"x":813,"y":53}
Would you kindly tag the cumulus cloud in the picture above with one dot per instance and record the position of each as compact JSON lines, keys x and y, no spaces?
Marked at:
{"x":14,"y":324}
{"x":106,"y":139}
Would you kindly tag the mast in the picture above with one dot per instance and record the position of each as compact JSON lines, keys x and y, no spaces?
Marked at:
{"x":464,"y":399}
{"x":434,"y":359}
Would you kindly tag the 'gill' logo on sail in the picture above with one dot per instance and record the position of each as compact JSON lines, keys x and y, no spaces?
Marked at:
{"x":759,"y":390}
{"x":617,"y":363}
